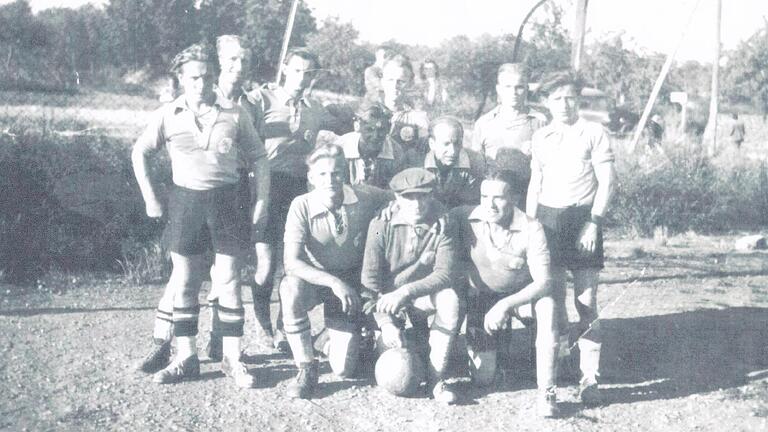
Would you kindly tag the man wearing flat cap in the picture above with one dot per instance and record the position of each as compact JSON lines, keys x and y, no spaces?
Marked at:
{"x":324,"y":239}
{"x":572,"y":182}
{"x":209,"y":140}
{"x":409,"y":263}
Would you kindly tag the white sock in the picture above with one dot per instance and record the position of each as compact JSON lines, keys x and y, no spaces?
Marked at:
{"x":231,"y":347}
{"x":186,"y":346}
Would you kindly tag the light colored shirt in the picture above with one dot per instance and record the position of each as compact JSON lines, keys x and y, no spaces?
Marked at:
{"x":504,"y":139}
{"x":501,"y":259}
{"x":334,"y":240}
{"x":564,"y":156}
{"x":206,"y":150}
{"x":290,"y":127}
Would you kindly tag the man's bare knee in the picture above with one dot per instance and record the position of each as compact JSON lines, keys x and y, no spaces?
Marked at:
{"x":449,"y":309}
{"x":291,"y":293}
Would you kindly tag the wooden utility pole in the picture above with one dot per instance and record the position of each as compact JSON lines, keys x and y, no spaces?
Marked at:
{"x":578,"y":34}
{"x":286,"y":39}
{"x":711,"y":130}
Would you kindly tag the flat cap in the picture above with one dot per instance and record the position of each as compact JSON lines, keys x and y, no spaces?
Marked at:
{"x":412,"y":180}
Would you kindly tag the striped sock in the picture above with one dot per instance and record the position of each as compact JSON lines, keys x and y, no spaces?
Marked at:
{"x":185,"y":320}
{"x":231,"y":321}
{"x":299,"y":336}
{"x":163,"y":326}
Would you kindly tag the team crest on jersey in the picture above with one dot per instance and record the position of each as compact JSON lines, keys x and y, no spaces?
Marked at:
{"x":225,"y":145}
{"x":407,"y":133}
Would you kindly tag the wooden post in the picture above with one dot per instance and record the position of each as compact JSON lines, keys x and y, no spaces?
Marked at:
{"x":711,"y":130}
{"x":286,"y":39}
{"x":579,"y":29}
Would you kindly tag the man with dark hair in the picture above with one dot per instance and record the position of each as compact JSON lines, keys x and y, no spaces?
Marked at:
{"x":208,"y":140}
{"x":572,"y":182}
{"x":291,"y":124}
{"x":456,"y":181}
{"x":503,"y":135}
{"x":371,"y":158}
{"x":507,"y":263}
{"x":410,"y":262}
{"x":433,"y":93}
{"x":324,"y":240}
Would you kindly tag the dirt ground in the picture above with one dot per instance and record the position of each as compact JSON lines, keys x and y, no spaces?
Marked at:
{"x":686,"y":349}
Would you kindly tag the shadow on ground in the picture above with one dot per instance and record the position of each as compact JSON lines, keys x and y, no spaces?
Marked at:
{"x":676,"y":355}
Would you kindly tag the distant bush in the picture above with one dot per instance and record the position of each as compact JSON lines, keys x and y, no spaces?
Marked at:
{"x":67,"y":202}
{"x":682,"y":189}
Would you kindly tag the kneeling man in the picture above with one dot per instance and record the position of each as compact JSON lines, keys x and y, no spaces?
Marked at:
{"x":409,"y":261}
{"x":324,"y":240}
{"x":507,"y":259}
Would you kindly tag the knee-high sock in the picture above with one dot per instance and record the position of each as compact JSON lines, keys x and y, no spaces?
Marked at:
{"x":440,"y":344}
{"x":262,"y":296}
{"x":299,"y":336}
{"x":343,"y":352}
{"x":185,"y":320}
{"x":231,"y":321}
{"x":163,"y":326}
{"x":589,"y":358}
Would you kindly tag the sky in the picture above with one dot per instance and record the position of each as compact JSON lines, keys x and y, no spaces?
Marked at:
{"x":651,"y":25}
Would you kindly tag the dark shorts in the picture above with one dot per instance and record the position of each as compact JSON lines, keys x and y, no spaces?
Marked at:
{"x":211,"y":219}
{"x":562,"y":227}
{"x":283,"y":189}
{"x":333,"y":314}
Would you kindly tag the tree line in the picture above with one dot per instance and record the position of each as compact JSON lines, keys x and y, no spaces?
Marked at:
{"x":89,"y":47}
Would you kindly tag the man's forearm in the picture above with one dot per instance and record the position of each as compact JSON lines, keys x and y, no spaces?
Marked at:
{"x":309,"y":273}
{"x":261,"y":191}
{"x":605,"y":175}
{"x":533,"y":291}
{"x":139,"y":160}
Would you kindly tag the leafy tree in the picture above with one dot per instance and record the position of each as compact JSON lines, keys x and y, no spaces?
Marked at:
{"x":343,"y":59}
{"x":745,"y":78}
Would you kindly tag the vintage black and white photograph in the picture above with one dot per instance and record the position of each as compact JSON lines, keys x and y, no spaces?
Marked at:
{"x":383,"y":215}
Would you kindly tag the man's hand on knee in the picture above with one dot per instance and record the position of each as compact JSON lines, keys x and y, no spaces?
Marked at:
{"x":350,"y":299}
{"x":392,"y":302}
{"x":497,"y":318}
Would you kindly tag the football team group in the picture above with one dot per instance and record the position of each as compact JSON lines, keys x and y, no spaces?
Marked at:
{"x":393,"y":222}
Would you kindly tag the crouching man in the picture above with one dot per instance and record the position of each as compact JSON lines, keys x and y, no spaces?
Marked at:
{"x":409,"y":261}
{"x":324,"y":240}
{"x":507,"y":259}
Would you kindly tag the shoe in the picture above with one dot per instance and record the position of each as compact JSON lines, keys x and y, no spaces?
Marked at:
{"x":263,"y":340}
{"x":306,"y":381}
{"x":183,"y":370}
{"x":214,"y":349}
{"x":238,"y":371}
{"x":546,"y":404}
{"x":443,"y":394}
{"x":589,"y":393}
{"x":156,"y":359}
{"x":281,"y":344}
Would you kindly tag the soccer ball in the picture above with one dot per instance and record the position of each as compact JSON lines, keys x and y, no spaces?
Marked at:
{"x":400,"y":371}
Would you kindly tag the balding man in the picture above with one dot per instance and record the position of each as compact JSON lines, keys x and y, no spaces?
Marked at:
{"x":454,"y":167}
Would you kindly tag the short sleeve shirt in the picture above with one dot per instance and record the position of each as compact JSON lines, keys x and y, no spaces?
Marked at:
{"x":290,"y":127}
{"x":504,"y":140}
{"x":334,"y":241}
{"x":501,"y":260}
{"x":207,"y":150}
{"x":565,"y":156}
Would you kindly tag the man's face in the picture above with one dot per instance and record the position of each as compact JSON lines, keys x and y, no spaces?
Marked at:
{"x":234,"y":62}
{"x":497,"y":200}
{"x":326,"y":175}
{"x":413,"y":207}
{"x":563,"y":104}
{"x":511,"y":89}
{"x":299,"y":72}
{"x":430,"y":70}
{"x":394,"y":81}
{"x":445,"y":143}
{"x":372,"y":135}
{"x":196,"y":79}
